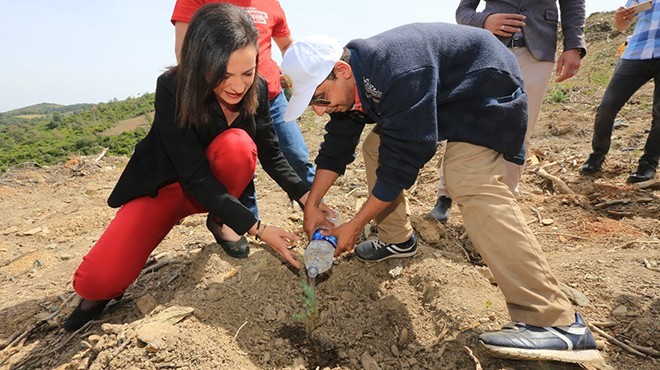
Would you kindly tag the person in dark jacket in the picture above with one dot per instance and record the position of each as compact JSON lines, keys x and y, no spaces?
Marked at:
{"x":212,"y":121}
{"x":419,"y":84}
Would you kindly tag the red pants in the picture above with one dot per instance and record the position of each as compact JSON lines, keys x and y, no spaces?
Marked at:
{"x":140,"y":225}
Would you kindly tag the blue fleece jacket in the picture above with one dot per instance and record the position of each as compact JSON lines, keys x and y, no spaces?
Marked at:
{"x":423,"y":83}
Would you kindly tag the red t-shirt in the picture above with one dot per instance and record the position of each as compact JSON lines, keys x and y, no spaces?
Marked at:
{"x":270,"y":21}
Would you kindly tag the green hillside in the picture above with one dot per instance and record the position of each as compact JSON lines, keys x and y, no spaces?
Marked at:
{"x":50,"y":133}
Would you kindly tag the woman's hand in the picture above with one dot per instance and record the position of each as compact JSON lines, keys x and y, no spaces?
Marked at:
{"x":280,"y":241}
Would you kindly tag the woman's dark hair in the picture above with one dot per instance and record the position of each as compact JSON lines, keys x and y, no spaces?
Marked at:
{"x":214,"y":33}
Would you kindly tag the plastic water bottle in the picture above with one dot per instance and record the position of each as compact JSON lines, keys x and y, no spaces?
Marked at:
{"x":318,"y":255}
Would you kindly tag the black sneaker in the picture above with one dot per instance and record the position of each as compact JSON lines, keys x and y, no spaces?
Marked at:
{"x":519,"y":341}
{"x":375,"y":250}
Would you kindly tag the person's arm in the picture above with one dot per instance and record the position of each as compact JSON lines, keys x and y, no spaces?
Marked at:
{"x":573,"y":14}
{"x":180,"y":29}
{"x":348,"y":232}
{"x":466,"y":14}
{"x":313,"y":216}
{"x":500,"y":24}
{"x":283,"y":43}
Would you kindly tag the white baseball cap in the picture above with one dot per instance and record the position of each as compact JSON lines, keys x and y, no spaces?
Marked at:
{"x":306,"y":64}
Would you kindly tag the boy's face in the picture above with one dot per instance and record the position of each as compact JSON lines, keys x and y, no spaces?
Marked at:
{"x":337,"y":95}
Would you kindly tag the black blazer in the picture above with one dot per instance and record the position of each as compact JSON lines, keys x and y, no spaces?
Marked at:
{"x":171,"y":154}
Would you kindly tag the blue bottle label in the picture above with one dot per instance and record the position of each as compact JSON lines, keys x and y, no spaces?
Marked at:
{"x":330,"y":239}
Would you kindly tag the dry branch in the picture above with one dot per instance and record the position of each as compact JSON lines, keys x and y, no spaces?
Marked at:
{"x":646,"y":350}
{"x":239,"y":329}
{"x":647,"y":184}
{"x":649,"y":266}
{"x":611,"y":203}
{"x":559,"y":183}
{"x":562,"y":234}
{"x":617,"y":342}
{"x":96,"y":161}
{"x":477,"y":364}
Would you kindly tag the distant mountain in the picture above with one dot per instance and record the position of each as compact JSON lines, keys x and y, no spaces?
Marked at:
{"x":45,"y":108}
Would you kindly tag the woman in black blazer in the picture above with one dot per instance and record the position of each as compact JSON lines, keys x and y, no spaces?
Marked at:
{"x":212,"y":121}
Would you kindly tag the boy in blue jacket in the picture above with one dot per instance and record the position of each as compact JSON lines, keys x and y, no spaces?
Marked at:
{"x":419,"y":84}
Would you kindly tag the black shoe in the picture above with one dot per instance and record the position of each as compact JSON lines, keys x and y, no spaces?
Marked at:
{"x":645,"y":171}
{"x":441,"y":209}
{"x":593,"y":163}
{"x":375,"y":250}
{"x":237,"y":249}
{"x":80,"y":317}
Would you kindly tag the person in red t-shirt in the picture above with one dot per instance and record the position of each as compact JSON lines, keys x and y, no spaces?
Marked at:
{"x":271,"y":23}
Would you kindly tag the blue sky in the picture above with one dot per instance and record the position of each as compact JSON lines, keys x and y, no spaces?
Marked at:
{"x":86,"y":51}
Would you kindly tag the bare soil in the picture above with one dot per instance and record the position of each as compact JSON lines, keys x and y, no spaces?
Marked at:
{"x":193,"y":307}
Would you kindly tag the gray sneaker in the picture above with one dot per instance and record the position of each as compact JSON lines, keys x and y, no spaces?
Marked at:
{"x":519,"y":341}
{"x":375,"y":250}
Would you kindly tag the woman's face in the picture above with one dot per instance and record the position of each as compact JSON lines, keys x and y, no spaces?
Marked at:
{"x":241,"y":68}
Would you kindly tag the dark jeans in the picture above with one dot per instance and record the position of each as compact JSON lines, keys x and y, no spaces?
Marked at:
{"x":629,"y":76}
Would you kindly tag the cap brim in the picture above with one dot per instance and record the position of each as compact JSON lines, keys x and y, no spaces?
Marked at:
{"x":297,"y":104}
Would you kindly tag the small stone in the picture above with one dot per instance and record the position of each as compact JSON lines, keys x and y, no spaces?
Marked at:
{"x":299,"y":363}
{"x":31,"y":232}
{"x":266,"y":357}
{"x":403,"y":336}
{"x":620,"y":311}
{"x":547,"y":221}
{"x":269,"y":313}
{"x":395,"y":272}
{"x":575,"y":295}
{"x":9,"y":230}
{"x":395,"y":350}
{"x":65,"y":257}
{"x":146,"y":304}
{"x":368,"y":363}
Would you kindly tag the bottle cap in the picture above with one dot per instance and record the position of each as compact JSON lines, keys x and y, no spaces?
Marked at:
{"x":312,"y":272}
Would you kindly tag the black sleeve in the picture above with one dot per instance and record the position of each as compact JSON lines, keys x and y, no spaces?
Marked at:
{"x":339,"y":142}
{"x":188,"y":158}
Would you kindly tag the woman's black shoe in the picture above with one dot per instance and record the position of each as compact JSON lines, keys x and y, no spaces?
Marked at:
{"x":80,"y":317}
{"x":237,"y":249}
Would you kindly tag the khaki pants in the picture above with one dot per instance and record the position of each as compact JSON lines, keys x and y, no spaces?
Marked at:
{"x":496,"y":227}
{"x":536,"y":75}
{"x":393,"y":224}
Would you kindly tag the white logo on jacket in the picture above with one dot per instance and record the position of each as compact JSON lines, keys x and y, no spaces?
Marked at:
{"x":371,"y":91}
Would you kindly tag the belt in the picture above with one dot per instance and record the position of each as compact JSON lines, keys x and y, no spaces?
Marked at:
{"x":516,"y":42}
